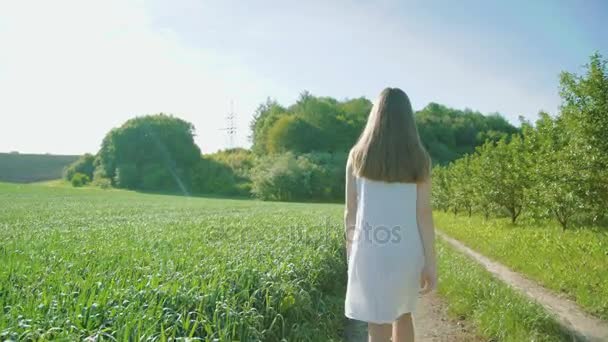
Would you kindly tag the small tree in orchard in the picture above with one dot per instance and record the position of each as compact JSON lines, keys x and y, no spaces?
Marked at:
{"x":481,"y":180}
{"x":556,"y":189}
{"x":585,"y":114}
{"x":461,"y":173}
{"x":441,"y":188}
{"x":509,"y":173}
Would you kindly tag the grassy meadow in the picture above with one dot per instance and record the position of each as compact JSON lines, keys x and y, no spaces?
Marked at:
{"x":88,"y":263}
{"x":497,"y":311}
{"x":573,"y":262}
{"x":82,"y":263}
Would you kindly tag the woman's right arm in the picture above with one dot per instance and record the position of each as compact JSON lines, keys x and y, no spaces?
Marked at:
{"x":424,"y":215}
{"x":350,"y":208}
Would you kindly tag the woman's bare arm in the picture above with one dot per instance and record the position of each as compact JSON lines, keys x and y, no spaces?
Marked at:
{"x":426,"y":227}
{"x":350,"y":209}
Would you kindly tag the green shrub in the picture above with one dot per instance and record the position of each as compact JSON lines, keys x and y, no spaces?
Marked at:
{"x":103,"y":183}
{"x":85,"y":165}
{"x":80,"y":179}
{"x":240,"y":160}
{"x":213,"y":177}
{"x":308,"y":177}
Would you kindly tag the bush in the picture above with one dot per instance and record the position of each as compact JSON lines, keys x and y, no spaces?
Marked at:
{"x":80,"y":179}
{"x":85,"y":165}
{"x":103,"y":183}
{"x":100,"y":179}
{"x":278,"y":178}
{"x":308,"y":177}
{"x":213,"y":177}
{"x":239,"y":160}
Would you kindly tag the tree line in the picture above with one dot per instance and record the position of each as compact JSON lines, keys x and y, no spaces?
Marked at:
{"x":298,"y":152}
{"x":556,"y":168}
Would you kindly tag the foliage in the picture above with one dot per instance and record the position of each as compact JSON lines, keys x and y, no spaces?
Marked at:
{"x":542,"y":252}
{"x":263,"y":119}
{"x":240,"y":160}
{"x":557,"y":190}
{"x":79,"y":179}
{"x":450,"y":133}
{"x":585,"y":112}
{"x":118,"y":265}
{"x":154,"y":152}
{"x":288,"y":177}
{"x":225,"y":172}
{"x":293,"y":133}
{"x":85,"y":165}
{"x":324,"y":124}
{"x":213,"y":177}
{"x":102,"y":183}
{"x":555,"y":168}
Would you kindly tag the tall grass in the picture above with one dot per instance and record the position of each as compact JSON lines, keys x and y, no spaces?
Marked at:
{"x":573,"y":262}
{"x":85,"y":263}
{"x":496,"y":310}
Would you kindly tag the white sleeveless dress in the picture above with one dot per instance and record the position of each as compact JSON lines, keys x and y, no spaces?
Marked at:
{"x":386,"y":256}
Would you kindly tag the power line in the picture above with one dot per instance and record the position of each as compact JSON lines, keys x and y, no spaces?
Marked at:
{"x":231,"y":125}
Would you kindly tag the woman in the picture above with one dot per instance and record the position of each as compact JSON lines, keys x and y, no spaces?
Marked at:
{"x":388,"y":221}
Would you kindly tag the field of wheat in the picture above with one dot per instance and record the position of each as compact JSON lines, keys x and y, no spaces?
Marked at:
{"x":89,"y":263}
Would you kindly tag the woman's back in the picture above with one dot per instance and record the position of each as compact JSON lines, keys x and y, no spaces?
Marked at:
{"x":386,"y":256}
{"x":387,"y":204}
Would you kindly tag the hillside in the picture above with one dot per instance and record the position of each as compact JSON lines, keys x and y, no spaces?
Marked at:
{"x":25,"y":168}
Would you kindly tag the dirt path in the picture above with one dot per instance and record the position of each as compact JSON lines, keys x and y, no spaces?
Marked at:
{"x":431,"y":321}
{"x":567,"y":312}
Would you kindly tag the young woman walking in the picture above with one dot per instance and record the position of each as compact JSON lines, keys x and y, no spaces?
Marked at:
{"x":388,"y":221}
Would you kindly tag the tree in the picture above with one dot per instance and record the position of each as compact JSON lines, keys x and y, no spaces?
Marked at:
{"x":449,"y":133}
{"x":442,"y":188}
{"x":263,"y":119}
{"x":556,"y":189}
{"x":585,"y":113}
{"x":463,"y":188}
{"x":481,"y":180}
{"x":154,"y":152}
{"x":293,"y":133}
{"x":508,"y":177}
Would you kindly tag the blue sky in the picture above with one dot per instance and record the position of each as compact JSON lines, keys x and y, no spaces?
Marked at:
{"x":70,"y":70}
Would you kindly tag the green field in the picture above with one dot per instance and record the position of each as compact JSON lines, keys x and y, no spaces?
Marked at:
{"x":24,"y":168}
{"x":573,"y":262}
{"x":80,"y":263}
{"x":113,"y":264}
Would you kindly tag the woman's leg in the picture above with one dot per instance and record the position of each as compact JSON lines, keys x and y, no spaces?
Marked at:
{"x":403,"y":328}
{"x":379,"y":332}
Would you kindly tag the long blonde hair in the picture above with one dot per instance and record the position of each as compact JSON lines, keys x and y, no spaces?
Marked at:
{"x":389,"y":149}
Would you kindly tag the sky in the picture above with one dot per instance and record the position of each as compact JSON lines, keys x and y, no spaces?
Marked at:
{"x":70,"y":70}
